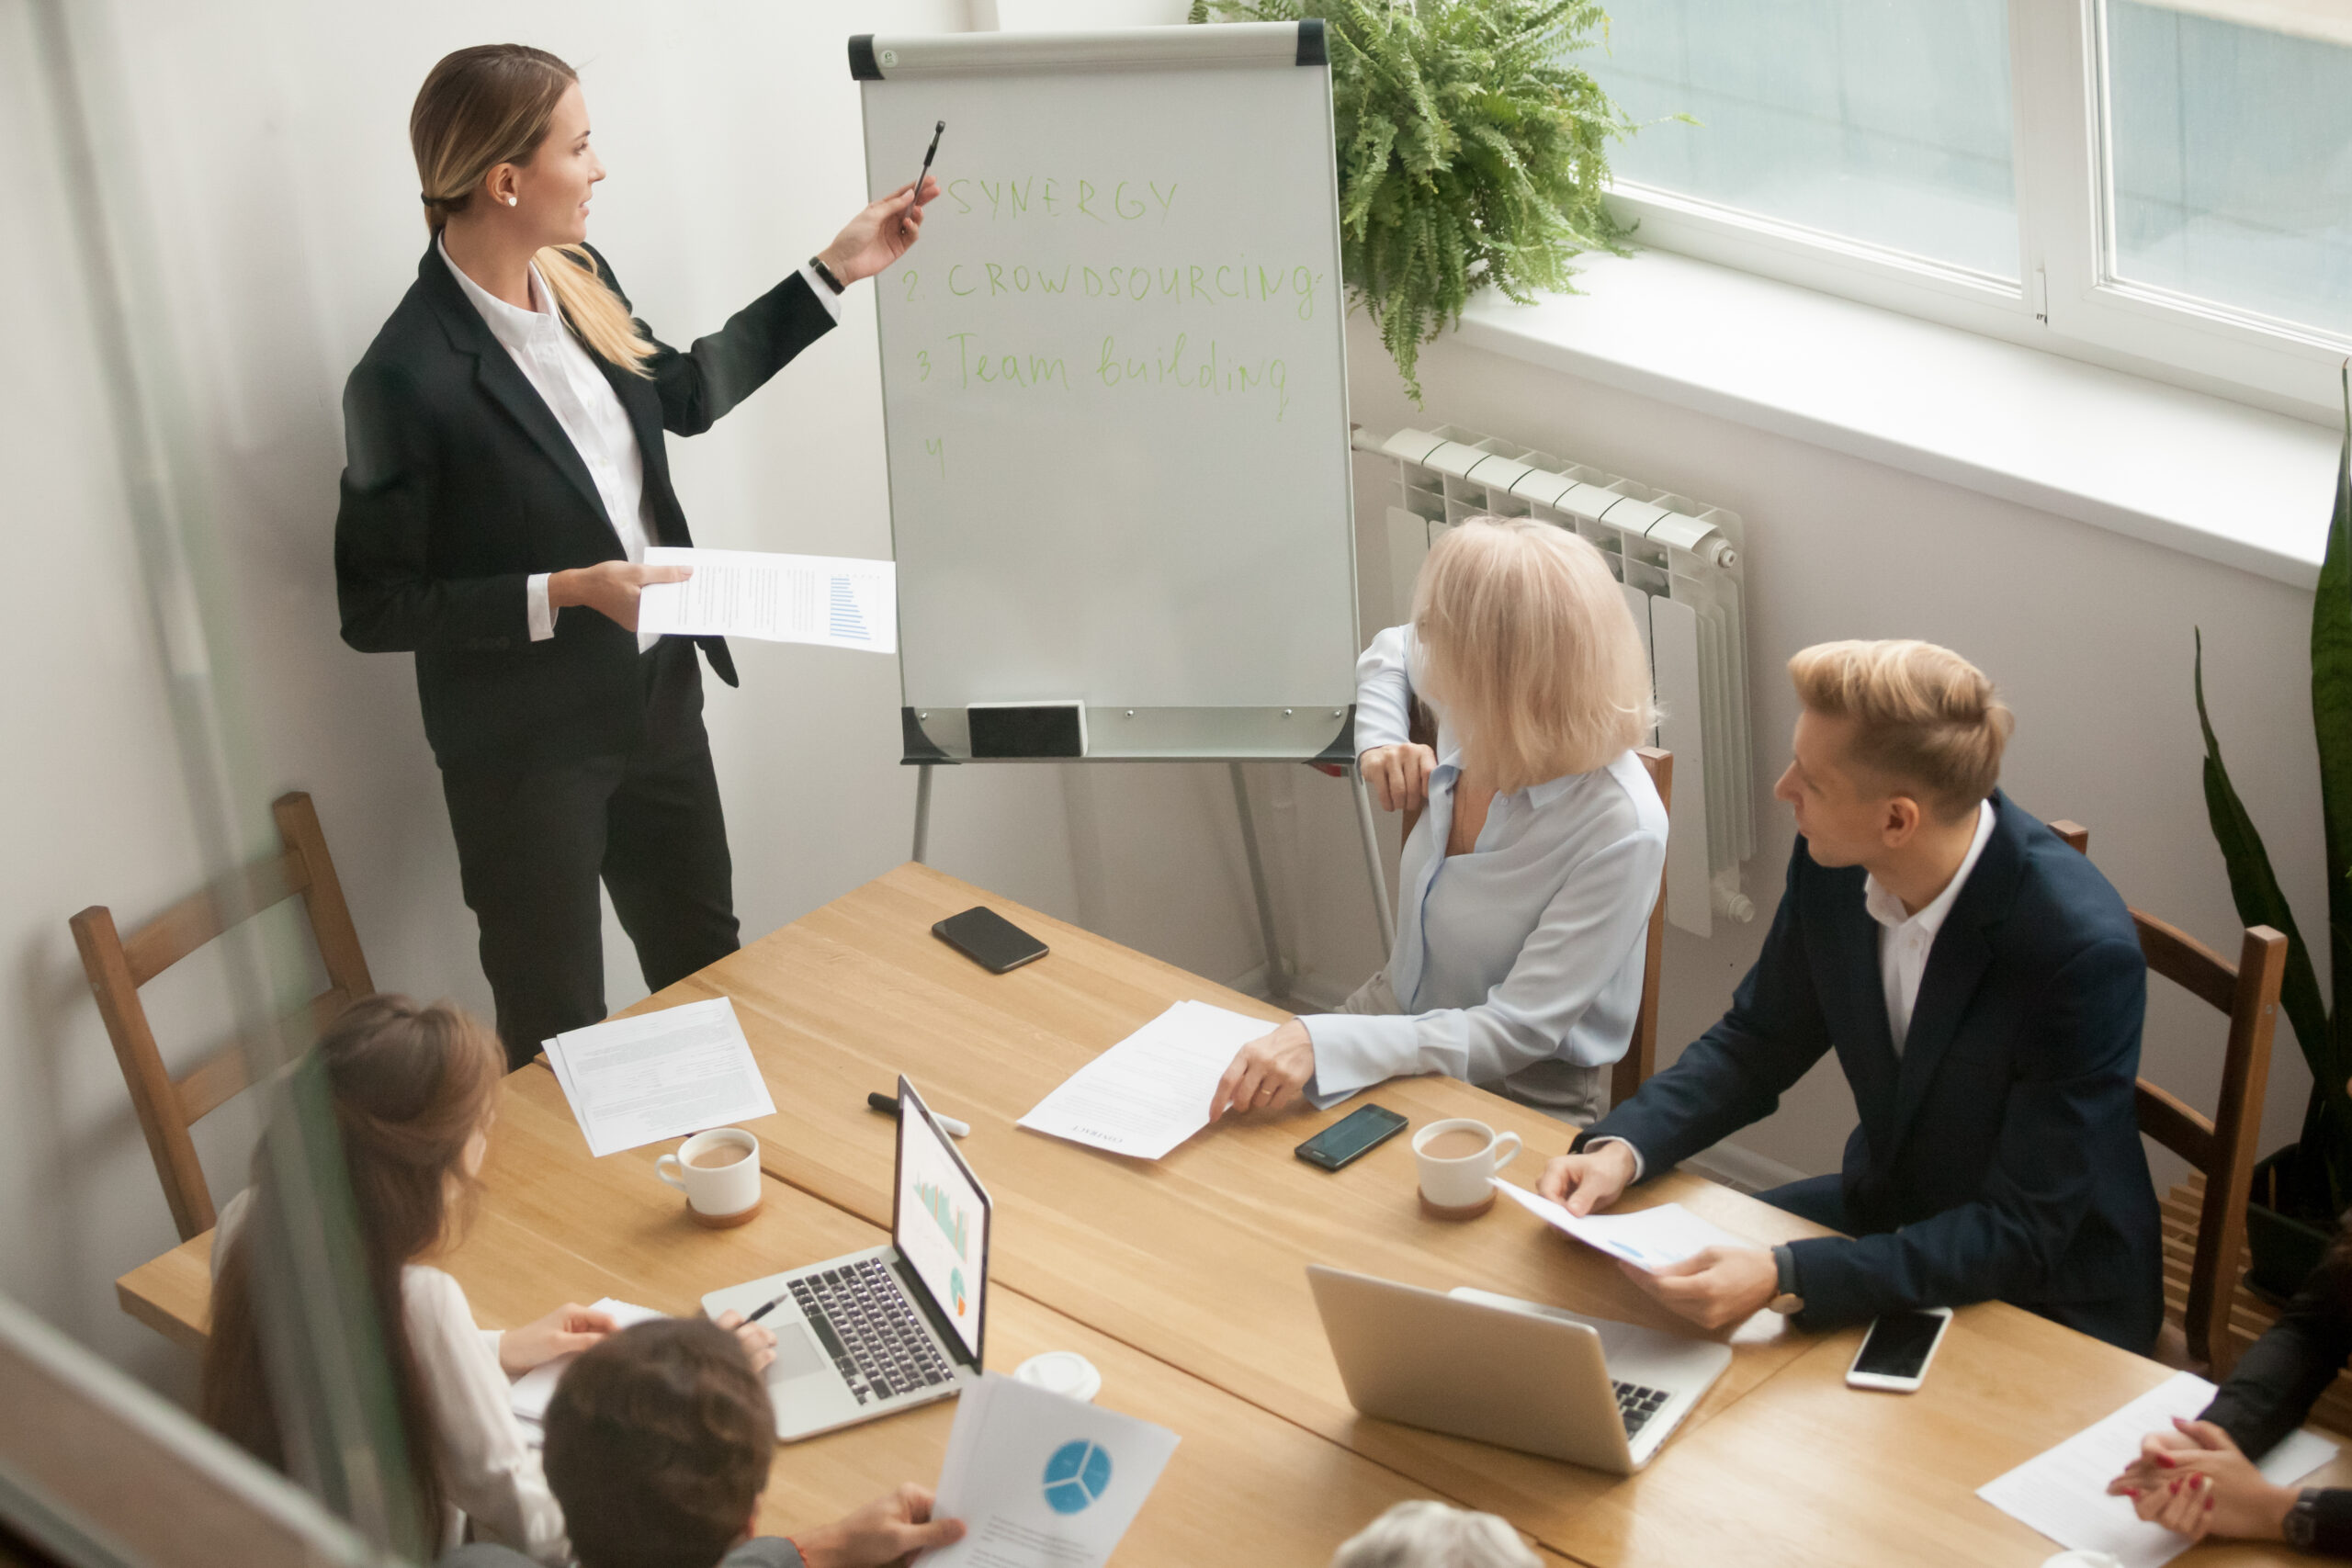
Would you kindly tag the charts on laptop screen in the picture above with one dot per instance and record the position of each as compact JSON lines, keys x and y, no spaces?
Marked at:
{"x":942,"y":1222}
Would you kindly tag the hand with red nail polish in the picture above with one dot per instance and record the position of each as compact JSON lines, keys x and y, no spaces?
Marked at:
{"x":2207,"y":1486}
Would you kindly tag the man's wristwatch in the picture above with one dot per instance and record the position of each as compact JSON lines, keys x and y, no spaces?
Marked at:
{"x":817,"y":264}
{"x":1788,"y":1303}
{"x":2300,"y":1527}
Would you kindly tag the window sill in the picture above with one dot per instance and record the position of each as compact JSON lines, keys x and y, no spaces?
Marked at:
{"x":2213,"y":478}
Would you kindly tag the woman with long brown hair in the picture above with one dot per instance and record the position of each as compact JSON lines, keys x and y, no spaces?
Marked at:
{"x":414,"y":1091}
{"x":505,"y":474}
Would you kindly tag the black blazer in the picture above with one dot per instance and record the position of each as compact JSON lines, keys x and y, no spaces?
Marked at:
{"x":459,"y":484}
{"x":2282,"y":1375}
{"x":1999,"y":1156}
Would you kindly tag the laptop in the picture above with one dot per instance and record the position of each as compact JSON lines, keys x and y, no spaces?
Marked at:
{"x":1515,"y":1373}
{"x":877,"y":1332}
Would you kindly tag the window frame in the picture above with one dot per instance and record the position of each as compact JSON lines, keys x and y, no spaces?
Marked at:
{"x":2068,"y":301}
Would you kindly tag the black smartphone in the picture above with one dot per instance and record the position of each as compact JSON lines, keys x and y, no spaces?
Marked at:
{"x":1895,"y":1353}
{"x":1351,"y":1137}
{"x":989,"y":939}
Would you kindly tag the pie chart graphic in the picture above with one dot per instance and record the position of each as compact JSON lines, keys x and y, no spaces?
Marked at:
{"x":1077,"y":1477}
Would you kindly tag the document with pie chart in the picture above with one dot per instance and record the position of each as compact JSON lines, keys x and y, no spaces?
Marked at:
{"x":1041,"y":1481}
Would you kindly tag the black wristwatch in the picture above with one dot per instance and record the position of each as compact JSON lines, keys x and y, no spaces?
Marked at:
{"x":817,"y":264}
{"x":2300,"y":1526}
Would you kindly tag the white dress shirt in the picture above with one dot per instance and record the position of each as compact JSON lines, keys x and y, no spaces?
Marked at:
{"x":1528,"y":949}
{"x":1904,"y":939}
{"x":560,"y":368}
{"x":489,"y":1473}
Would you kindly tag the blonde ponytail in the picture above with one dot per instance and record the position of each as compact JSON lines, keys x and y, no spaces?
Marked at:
{"x":595,"y":311}
{"x":492,"y":105}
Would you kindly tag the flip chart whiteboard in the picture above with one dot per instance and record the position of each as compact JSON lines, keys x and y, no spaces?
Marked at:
{"x":1115,"y":386}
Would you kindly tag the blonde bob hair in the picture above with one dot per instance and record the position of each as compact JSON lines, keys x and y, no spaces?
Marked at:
{"x":1528,"y":646}
{"x":1923,"y":716}
{"x":1429,"y":1534}
{"x":492,"y":105}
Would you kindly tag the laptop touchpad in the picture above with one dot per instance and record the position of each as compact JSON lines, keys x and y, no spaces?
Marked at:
{"x":797,"y":1354}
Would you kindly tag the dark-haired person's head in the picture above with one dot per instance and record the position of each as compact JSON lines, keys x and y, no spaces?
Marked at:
{"x":658,"y":1443}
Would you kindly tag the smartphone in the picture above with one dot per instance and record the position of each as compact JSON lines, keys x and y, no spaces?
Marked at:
{"x":1895,"y":1352}
{"x":989,"y":939}
{"x":1351,"y":1137}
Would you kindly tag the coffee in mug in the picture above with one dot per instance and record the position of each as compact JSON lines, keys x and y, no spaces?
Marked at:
{"x":720,"y":1173}
{"x":1458,"y":1142}
{"x":1457,"y":1160}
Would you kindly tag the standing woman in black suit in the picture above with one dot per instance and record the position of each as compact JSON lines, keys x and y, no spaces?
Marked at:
{"x":504,"y":475}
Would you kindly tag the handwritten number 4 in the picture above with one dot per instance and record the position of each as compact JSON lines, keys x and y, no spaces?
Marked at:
{"x":937,"y":447}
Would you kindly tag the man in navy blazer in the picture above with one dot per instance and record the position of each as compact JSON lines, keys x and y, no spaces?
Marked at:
{"x":1984,"y":989}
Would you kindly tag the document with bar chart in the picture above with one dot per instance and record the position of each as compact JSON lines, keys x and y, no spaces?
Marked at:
{"x":832,"y":601}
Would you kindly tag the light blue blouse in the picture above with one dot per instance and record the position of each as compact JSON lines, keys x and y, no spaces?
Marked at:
{"x":1530,"y":948}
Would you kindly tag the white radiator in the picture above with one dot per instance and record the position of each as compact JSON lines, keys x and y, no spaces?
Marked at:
{"x":1682,"y":567}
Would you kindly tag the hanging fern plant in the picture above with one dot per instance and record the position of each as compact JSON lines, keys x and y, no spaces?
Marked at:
{"x":1471,"y":151}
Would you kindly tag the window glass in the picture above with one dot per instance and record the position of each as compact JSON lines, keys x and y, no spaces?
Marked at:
{"x":2229,"y":153}
{"x":1884,"y":122}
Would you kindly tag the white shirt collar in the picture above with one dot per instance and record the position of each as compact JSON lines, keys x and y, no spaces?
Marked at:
{"x":515,"y":329}
{"x":1887,"y":910}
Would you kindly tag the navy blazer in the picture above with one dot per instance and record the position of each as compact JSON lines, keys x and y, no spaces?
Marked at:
{"x":460,"y":485}
{"x":1999,"y":1156}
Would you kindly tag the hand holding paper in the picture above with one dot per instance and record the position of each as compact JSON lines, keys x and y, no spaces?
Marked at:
{"x":833,"y":601}
{"x":1648,"y":1238}
{"x":1041,"y":1481}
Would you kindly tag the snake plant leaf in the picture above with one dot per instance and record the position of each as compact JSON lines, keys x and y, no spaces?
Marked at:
{"x":2254,"y":887}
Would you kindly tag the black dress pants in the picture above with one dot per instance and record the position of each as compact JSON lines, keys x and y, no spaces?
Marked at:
{"x":533,"y":844}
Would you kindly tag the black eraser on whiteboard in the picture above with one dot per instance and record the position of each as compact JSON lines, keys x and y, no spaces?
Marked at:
{"x":1027,"y":729}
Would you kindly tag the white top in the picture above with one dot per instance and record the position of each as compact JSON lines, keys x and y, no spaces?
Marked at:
{"x":564,"y":373}
{"x":1904,"y":939}
{"x":488,"y":1473}
{"x":1528,"y":949}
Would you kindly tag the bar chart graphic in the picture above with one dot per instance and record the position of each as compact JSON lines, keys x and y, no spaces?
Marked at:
{"x":952,"y":1220}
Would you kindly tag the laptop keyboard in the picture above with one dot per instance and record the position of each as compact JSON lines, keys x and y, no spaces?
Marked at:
{"x":1637,"y":1404}
{"x":876,"y":1339}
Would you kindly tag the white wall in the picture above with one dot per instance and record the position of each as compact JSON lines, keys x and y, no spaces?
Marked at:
{"x":266,"y":140}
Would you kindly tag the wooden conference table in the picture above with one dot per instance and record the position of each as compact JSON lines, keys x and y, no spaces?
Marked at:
{"x":1183,"y":1279}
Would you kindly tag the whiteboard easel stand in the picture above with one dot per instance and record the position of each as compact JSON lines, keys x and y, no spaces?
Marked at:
{"x":1277,"y":973}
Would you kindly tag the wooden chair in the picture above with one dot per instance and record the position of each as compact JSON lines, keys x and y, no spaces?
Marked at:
{"x":117,"y":967}
{"x":2223,"y":1147}
{"x":1640,"y":1060}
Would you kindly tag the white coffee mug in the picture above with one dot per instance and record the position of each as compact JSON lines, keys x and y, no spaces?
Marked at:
{"x":722,"y":1191}
{"x":1457,"y":1181}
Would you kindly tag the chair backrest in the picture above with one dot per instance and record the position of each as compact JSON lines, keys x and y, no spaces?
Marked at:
{"x":118,"y":966}
{"x":1640,"y":1060}
{"x":2223,"y":1147}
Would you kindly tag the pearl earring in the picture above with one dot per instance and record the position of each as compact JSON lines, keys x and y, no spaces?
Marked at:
{"x":510,"y":201}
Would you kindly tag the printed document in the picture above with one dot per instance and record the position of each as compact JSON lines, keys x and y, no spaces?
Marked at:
{"x":1647,"y":1239}
{"x":2062,"y":1492}
{"x":530,"y":1393}
{"x":833,"y":601}
{"x":1151,"y":1091}
{"x":1042,"y":1481}
{"x":659,"y":1075}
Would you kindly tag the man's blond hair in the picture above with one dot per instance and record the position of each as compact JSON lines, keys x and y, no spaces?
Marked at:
{"x":1528,"y":646}
{"x":1923,"y":716}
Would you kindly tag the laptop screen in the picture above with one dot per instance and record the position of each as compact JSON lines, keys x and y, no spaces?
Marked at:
{"x":939,"y":1221}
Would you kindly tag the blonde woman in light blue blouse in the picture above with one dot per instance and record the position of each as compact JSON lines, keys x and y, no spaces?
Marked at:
{"x":1526,"y":887}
